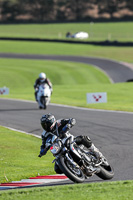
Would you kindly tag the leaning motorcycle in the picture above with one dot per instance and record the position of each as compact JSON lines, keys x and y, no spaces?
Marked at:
{"x":77,"y":162}
{"x":43,"y":96}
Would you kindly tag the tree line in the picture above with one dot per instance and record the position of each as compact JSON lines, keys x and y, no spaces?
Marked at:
{"x":63,"y":10}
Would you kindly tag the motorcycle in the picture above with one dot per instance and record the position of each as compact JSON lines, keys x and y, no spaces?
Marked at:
{"x":43,"y":96}
{"x":76,"y":161}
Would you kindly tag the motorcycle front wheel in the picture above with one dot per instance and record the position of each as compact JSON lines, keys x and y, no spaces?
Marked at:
{"x":43,"y":101}
{"x":74,"y":173}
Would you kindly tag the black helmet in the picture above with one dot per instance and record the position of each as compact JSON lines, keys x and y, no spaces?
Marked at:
{"x":48,"y":122}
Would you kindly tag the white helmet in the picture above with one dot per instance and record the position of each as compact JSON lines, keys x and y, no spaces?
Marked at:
{"x":42,"y":76}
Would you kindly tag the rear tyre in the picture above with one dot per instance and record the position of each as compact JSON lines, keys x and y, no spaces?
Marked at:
{"x":106,"y":172}
{"x":74,"y":173}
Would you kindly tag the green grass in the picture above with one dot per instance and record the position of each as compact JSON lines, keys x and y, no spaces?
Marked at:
{"x":121,"y":31}
{"x":95,"y":191}
{"x":22,"y":73}
{"x":71,"y":81}
{"x":18,"y":160}
{"x":115,"y":53}
{"x":19,"y":156}
{"x":119,"y":96}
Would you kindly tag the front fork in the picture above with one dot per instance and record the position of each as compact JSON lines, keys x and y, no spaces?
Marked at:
{"x":68,"y":157}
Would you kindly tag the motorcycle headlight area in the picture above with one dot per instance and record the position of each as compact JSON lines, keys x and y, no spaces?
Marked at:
{"x":56,"y":147}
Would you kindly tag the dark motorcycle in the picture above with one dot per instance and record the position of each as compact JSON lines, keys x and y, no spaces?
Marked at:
{"x":77,"y":162}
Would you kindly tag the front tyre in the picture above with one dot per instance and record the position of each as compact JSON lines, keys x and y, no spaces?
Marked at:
{"x":43,"y":101}
{"x":74,"y":173}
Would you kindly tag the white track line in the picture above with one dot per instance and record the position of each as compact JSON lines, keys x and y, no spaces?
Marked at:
{"x":17,"y":130}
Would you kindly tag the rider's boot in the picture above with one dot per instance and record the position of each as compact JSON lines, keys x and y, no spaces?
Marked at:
{"x":89,"y":145}
{"x":99,"y":156}
{"x":96,"y":152}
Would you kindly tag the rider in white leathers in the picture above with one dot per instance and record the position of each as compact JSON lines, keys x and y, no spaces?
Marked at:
{"x":42,"y":79}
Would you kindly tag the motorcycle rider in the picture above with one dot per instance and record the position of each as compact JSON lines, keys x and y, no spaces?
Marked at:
{"x":42,"y":79}
{"x":59,"y":128}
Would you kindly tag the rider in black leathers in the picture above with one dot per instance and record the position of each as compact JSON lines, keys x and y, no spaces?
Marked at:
{"x":59,"y":128}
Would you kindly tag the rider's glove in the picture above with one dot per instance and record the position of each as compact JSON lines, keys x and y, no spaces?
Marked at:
{"x":72,"y":122}
{"x":42,"y":152}
{"x":36,"y":89}
{"x":66,"y":128}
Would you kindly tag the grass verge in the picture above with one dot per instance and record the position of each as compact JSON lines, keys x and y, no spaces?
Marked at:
{"x":121,"y":31}
{"x":19,"y":156}
{"x":19,"y":160}
{"x":111,"y":52}
{"x":119,"y":96}
{"x":95,"y":191}
{"x":71,"y":81}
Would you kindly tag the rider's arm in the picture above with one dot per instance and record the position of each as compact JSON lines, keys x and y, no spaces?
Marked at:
{"x":70,"y":122}
{"x":67,"y":124}
{"x":43,"y":148}
{"x":48,"y":82}
{"x":36,"y":83}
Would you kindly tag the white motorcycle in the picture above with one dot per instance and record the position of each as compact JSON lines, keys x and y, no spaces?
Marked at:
{"x":43,"y":95}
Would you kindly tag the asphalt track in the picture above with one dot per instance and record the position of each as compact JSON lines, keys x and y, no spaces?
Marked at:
{"x":111,"y":132}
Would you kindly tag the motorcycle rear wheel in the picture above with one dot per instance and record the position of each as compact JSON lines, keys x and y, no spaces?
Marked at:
{"x":74,"y":174}
{"x":106,"y":172}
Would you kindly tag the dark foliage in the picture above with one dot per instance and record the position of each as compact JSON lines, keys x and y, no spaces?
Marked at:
{"x":64,"y":10}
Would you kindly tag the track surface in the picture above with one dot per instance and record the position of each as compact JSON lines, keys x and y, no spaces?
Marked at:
{"x":115,"y":70}
{"x":111,"y":132}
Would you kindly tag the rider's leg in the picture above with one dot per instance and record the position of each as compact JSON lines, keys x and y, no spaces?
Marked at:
{"x":96,"y":151}
{"x":36,"y":95}
{"x":86,"y":141}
